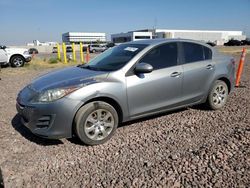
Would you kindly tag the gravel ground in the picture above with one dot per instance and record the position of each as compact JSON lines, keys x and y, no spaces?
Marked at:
{"x":190,"y":147}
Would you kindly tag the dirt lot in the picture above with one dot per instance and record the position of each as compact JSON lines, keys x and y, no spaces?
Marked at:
{"x":190,"y":147}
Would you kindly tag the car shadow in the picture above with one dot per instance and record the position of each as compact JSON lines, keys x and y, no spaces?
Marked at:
{"x":240,"y":86}
{"x":4,"y":66}
{"x":202,"y":107}
{"x":152,"y":117}
{"x":75,"y":140}
{"x":25,"y":132}
{"x":1,"y":179}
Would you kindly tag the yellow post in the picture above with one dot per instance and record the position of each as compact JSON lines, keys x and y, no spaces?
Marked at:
{"x":81,"y":53}
{"x":74,"y":51}
{"x":64,"y":52}
{"x":58,"y":52}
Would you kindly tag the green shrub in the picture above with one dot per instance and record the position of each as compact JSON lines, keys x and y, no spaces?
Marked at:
{"x":53,"y":60}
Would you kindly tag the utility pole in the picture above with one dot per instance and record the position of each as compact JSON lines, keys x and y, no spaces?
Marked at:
{"x":154,"y":27}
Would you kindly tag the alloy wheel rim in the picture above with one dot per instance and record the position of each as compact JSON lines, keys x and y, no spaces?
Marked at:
{"x":99,"y":124}
{"x":18,"y":61}
{"x":219,"y":95}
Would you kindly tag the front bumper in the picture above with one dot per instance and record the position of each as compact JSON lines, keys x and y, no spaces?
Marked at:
{"x":51,"y":120}
{"x":27,"y":58}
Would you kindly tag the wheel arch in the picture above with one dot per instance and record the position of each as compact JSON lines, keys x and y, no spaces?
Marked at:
{"x":108,"y":100}
{"x":13,"y":55}
{"x":112,"y":102}
{"x":222,"y":78}
{"x":227,"y":81}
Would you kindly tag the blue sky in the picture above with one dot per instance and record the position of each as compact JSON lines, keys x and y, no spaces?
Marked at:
{"x":25,"y":20}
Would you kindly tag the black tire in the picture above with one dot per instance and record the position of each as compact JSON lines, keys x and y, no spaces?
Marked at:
{"x":82,"y":123}
{"x":93,"y":51}
{"x":17,"y":61}
{"x":218,"y":95}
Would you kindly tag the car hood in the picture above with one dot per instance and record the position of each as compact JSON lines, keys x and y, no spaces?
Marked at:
{"x":67,"y":77}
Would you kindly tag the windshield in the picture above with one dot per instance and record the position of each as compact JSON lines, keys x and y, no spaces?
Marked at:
{"x":115,"y":58}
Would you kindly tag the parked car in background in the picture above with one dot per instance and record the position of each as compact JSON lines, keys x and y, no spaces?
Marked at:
{"x":69,"y":49}
{"x":110,"y":45}
{"x":16,"y":57}
{"x":97,"y":48}
{"x":33,"y":51}
{"x":245,"y":42}
{"x":211,"y":44}
{"x":54,"y":49}
{"x":84,"y":48}
{"x":127,"y":82}
{"x":233,"y":43}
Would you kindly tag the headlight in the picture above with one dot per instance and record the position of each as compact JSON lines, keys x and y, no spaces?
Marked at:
{"x":54,"y":94}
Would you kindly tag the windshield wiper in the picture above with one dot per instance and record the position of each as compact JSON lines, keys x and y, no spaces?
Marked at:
{"x":90,"y":67}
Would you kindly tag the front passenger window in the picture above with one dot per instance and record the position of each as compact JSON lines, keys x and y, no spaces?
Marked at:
{"x":162,"y":56}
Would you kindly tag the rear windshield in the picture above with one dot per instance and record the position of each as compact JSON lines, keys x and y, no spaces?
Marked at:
{"x":115,"y":58}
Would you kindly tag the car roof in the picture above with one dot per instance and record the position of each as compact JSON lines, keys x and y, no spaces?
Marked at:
{"x":161,"y":41}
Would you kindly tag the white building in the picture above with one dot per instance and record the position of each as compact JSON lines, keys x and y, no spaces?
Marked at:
{"x":78,"y":37}
{"x":218,"y":37}
{"x":38,"y":43}
{"x":130,"y":36}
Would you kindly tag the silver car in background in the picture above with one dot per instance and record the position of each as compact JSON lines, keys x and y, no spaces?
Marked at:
{"x":127,"y":82}
{"x":97,"y":48}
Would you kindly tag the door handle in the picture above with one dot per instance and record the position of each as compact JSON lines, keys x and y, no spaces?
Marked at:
{"x":175,"y":74}
{"x":210,"y":66}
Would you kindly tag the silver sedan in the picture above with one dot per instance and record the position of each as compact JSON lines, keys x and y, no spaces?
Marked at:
{"x":127,"y":82}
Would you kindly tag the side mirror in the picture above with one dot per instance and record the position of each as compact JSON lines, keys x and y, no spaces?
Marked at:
{"x":2,"y":47}
{"x":143,"y":68}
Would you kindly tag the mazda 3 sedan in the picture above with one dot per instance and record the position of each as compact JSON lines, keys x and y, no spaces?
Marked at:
{"x":127,"y":82}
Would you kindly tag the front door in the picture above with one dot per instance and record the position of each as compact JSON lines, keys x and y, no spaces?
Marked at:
{"x":3,"y":56}
{"x":159,"y":89}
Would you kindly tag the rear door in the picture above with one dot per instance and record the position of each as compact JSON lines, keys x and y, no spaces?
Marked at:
{"x":198,"y":71}
{"x":3,"y":56}
{"x":159,"y":89}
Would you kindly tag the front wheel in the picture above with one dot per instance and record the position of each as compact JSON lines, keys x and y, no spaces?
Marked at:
{"x":218,"y":95}
{"x":96,"y":122}
{"x":17,"y":61}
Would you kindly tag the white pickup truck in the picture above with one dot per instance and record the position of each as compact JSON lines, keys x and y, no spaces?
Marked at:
{"x":16,"y":57}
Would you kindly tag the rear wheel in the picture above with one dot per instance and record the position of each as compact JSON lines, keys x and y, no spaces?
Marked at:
{"x":96,"y":122}
{"x":17,"y":61}
{"x":218,"y":95}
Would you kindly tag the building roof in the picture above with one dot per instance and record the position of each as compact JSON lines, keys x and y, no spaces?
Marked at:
{"x":187,"y":30}
{"x":161,"y":41}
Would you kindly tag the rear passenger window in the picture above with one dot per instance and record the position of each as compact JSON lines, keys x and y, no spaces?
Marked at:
{"x":193,"y":52}
{"x":162,"y":56}
{"x":207,"y":53}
